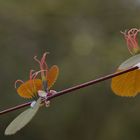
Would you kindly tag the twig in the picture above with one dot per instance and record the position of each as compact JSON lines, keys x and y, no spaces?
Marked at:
{"x":65,"y":91}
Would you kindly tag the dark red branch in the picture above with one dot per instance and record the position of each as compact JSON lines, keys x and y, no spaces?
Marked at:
{"x":65,"y":91}
{"x":92,"y":82}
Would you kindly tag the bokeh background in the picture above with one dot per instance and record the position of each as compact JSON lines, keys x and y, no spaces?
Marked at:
{"x":84,"y":40}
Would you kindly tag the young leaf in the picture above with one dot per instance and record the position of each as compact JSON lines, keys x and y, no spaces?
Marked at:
{"x":130,"y":62}
{"x":23,"y":119}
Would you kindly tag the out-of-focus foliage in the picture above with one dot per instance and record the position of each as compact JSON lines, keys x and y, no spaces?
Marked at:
{"x":84,"y":40}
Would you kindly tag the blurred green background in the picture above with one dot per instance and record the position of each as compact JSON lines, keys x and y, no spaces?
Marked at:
{"x":84,"y":40}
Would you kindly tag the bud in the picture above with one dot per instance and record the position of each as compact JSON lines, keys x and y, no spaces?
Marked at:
{"x":131,"y":40}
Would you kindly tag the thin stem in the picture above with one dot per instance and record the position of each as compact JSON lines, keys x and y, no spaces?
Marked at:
{"x":65,"y":91}
{"x":92,"y":82}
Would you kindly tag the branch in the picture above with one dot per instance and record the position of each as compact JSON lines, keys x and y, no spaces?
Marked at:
{"x":69,"y":90}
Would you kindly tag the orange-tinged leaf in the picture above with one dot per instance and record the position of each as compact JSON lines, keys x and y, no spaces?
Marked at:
{"x":137,"y":82}
{"x":52,"y":75}
{"x":29,"y":88}
{"x":127,"y":84}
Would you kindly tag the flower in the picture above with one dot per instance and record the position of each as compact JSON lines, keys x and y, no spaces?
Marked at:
{"x":30,"y":88}
{"x":131,"y":40}
{"x":128,"y":84}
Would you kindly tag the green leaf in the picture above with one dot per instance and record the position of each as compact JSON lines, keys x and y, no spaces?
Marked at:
{"x":130,"y":62}
{"x":23,"y":119}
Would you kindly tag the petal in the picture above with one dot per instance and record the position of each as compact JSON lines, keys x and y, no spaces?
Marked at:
{"x":52,"y":75}
{"x":29,"y":88}
{"x":126,"y":84}
{"x":137,"y":83}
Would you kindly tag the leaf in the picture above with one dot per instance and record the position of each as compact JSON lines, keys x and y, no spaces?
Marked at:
{"x":23,"y":119}
{"x":130,"y":62}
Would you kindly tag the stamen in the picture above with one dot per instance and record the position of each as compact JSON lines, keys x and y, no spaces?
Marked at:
{"x":43,"y":62}
{"x":18,"y":81}
{"x":31,"y":74}
{"x":131,"y":40}
{"x":34,"y":75}
{"x":123,"y":32}
{"x":46,"y":67}
{"x":43,"y":65}
{"x":44,"y":58}
{"x":37,"y":60}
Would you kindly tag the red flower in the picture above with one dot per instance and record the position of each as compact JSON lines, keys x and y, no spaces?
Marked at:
{"x":131,"y":40}
{"x":30,"y":88}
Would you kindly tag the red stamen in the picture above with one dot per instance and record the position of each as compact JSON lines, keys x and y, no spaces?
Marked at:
{"x":42,"y":63}
{"x":35,"y":58}
{"x":34,"y":75}
{"x":131,"y":40}
{"x":18,"y":81}
{"x":31,"y":74}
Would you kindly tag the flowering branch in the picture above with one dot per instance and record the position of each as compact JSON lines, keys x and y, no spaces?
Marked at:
{"x":65,"y":91}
